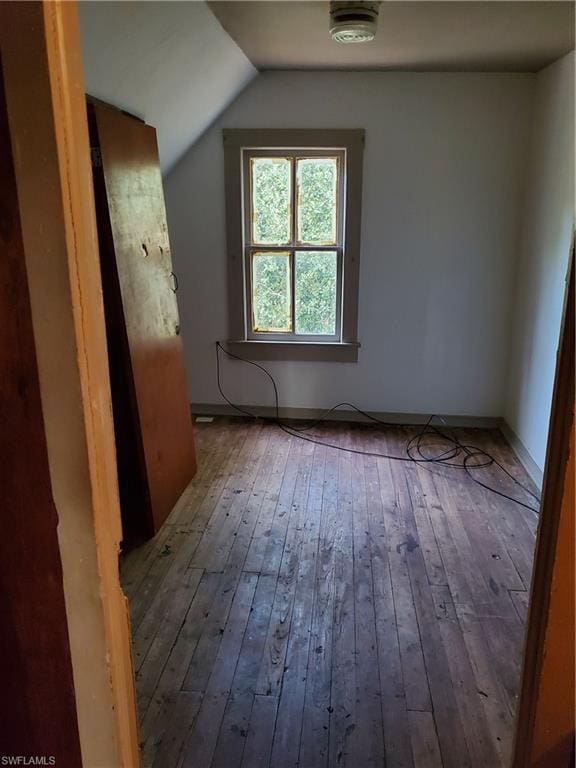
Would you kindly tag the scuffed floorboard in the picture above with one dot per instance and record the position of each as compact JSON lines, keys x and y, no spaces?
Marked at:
{"x":305,"y":606}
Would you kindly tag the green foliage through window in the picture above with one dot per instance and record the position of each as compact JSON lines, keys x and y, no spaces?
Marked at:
{"x":316,"y":281}
{"x":271,"y":305}
{"x":271,"y":193}
{"x":317,"y":180}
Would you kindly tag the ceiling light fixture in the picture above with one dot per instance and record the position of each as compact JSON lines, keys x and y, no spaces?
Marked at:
{"x":353,"y":22}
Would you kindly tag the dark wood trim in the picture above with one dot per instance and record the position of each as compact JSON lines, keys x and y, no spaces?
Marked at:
{"x":295,"y":350}
{"x":236,"y":283}
{"x":354,"y":169}
{"x":561,"y":424}
{"x":280,"y":138}
{"x":237,"y":139}
{"x":522,"y":453}
{"x":343,"y":414}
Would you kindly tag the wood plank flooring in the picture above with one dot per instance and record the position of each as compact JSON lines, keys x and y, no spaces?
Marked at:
{"x":306,"y":606}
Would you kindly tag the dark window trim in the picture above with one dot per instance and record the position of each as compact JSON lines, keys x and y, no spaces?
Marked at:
{"x":328,"y":351}
{"x":279,"y":138}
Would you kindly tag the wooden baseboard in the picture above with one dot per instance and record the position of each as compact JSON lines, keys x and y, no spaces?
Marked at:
{"x":418,"y":419}
{"x":522,"y":452}
{"x":268,"y":412}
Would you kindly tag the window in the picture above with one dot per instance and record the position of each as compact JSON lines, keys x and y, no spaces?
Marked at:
{"x":293,"y":219}
{"x":293,"y":243}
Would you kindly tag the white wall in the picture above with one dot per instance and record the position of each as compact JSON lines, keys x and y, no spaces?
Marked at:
{"x":443,"y":173}
{"x":170,"y":63}
{"x":545,"y":248}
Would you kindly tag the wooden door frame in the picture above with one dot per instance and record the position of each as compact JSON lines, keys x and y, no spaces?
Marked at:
{"x":38,"y":719}
{"x":54,"y":26}
{"x":43,"y":76}
{"x":553,"y":492}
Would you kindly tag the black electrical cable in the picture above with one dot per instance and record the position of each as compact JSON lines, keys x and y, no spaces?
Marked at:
{"x":230,"y":403}
{"x":474,"y":451}
{"x":414,"y":447}
{"x":442,"y":458}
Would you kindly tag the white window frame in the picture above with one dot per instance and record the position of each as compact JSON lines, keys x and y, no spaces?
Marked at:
{"x":250,"y":247}
{"x":239,"y":146}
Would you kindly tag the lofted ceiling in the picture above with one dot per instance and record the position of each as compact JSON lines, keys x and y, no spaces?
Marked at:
{"x":179,"y":64}
{"x":170,"y":63}
{"x":503,"y":36}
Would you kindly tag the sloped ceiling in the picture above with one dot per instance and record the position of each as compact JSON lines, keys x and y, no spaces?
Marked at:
{"x":170,"y":63}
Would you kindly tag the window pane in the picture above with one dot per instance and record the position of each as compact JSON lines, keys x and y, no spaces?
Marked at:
{"x":271,"y":303}
{"x":316,"y":281}
{"x":317,"y":181}
{"x":271,"y":200}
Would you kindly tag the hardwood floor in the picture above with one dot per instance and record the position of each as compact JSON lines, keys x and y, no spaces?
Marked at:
{"x":305,"y":606}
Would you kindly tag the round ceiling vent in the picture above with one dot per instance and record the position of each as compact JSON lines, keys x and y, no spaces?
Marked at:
{"x":353,"y":22}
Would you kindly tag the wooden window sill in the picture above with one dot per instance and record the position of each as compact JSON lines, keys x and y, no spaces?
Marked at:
{"x":312,"y":351}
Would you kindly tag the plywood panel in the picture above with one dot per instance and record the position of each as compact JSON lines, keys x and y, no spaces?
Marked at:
{"x":137,"y":219}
